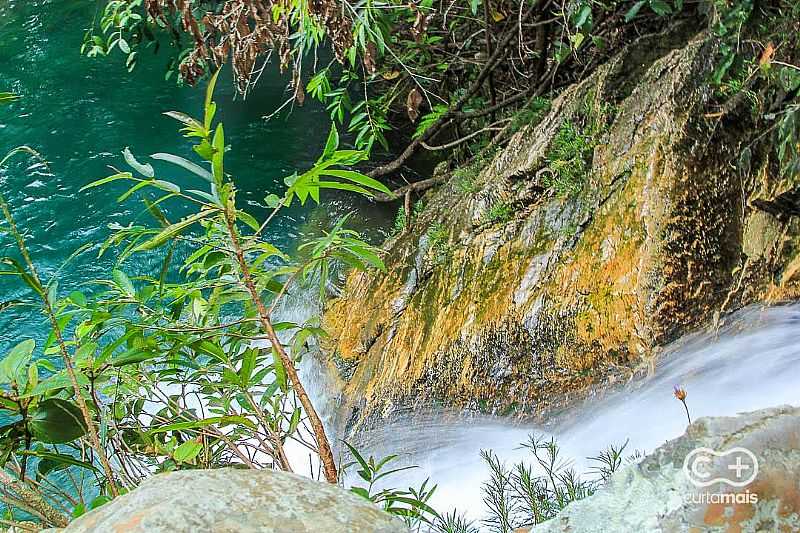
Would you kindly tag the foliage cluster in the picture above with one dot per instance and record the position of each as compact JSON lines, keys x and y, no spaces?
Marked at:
{"x":400,"y":220}
{"x":528,"y":494}
{"x":498,"y":212}
{"x":438,"y":242}
{"x":459,"y":72}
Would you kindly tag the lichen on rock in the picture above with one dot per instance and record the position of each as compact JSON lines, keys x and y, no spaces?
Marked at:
{"x":573,"y":285}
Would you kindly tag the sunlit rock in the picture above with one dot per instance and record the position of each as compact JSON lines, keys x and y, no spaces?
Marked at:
{"x":240,"y":501}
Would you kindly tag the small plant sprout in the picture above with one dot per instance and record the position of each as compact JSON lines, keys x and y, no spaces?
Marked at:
{"x":680,"y":393}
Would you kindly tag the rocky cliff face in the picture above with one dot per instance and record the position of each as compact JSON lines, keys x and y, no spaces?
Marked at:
{"x":632,"y":212}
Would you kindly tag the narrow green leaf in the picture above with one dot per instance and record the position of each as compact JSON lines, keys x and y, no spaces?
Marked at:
{"x":219,"y":153}
{"x":58,"y":458}
{"x":280,"y":372}
{"x":197,"y":424}
{"x":632,"y":12}
{"x":132,"y":356}
{"x":171,"y":231}
{"x":331,"y":144}
{"x":210,"y":107}
{"x":109,"y":179}
{"x":359,"y":178}
{"x":186,"y":164}
{"x":124,"y":282}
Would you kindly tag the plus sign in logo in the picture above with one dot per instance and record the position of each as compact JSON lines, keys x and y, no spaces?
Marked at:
{"x":737,"y":467}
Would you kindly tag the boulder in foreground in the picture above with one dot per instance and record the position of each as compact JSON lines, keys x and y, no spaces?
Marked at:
{"x":236,"y":501}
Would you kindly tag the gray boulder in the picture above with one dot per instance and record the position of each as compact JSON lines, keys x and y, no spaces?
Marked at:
{"x":656,"y":495}
{"x":236,"y":501}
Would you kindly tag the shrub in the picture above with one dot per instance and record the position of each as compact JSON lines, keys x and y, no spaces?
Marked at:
{"x":499,"y":212}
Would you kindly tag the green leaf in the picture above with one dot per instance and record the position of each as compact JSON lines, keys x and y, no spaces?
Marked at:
{"x":79,"y":511}
{"x":248,"y":219}
{"x":473,"y":6}
{"x":194,"y":168}
{"x":248,"y":364}
{"x":360,"y":179}
{"x":583,"y":15}
{"x":187,"y":451}
{"x":332,"y":143}
{"x":145,"y":170}
{"x":124,"y":282}
{"x":109,"y":179}
{"x":171,"y":231}
{"x":185,"y":119}
{"x":132,"y":356}
{"x":56,"y":461}
{"x":196,"y":424}
{"x":99,"y":501}
{"x":632,"y":12}
{"x":273,"y":201}
{"x":55,"y":382}
{"x":361,"y":491}
{"x":78,"y":298}
{"x":660,"y":7}
{"x":357,"y":456}
{"x":57,"y":421}
{"x":20,"y":271}
{"x":280,"y":372}
{"x":85,"y":352}
{"x":210,"y":107}
{"x":16,"y":361}
{"x":219,"y":153}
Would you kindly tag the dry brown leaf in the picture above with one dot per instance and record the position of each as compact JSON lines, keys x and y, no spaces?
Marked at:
{"x":370,"y":58}
{"x":413,"y":101}
{"x":766,"y":55}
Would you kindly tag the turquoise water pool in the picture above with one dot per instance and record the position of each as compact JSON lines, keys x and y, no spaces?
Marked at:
{"x":80,"y":113}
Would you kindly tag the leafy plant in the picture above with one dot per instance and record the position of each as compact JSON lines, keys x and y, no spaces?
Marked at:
{"x":569,"y":157}
{"x":529,"y":494}
{"x":400,"y":222}
{"x":499,"y":212}
{"x":119,"y":23}
{"x":411,"y":504}
{"x":531,"y":114}
{"x":160,"y":371}
{"x":437,"y":243}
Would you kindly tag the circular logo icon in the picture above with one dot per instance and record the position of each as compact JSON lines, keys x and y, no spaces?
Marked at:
{"x":737,"y":467}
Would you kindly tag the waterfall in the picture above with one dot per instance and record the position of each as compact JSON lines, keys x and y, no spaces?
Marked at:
{"x":749,"y":362}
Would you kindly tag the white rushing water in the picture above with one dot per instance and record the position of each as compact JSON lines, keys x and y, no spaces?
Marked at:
{"x":751,"y":361}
